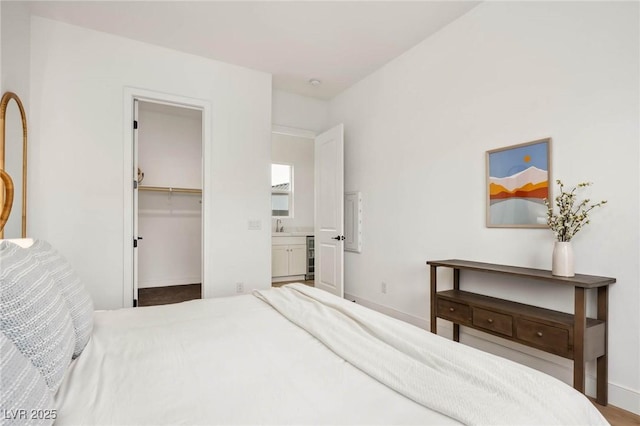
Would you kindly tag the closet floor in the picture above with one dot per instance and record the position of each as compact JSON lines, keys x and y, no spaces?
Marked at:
{"x":310,"y":283}
{"x":181,"y":293}
{"x":170,"y":294}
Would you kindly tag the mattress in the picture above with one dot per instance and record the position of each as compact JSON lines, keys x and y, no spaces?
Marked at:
{"x":234,"y":360}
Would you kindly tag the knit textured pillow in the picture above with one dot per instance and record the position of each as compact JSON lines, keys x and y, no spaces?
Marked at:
{"x":33,"y":314}
{"x":25,"y":397}
{"x":75,"y":294}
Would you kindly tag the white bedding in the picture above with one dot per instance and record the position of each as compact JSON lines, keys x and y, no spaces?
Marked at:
{"x":228,"y":361}
{"x":434,"y":372}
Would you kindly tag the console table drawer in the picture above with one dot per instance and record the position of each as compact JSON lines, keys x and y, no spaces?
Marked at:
{"x":453,"y":311}
{"x":572,"y":336}
{"x":493,"y":321}
{"x":546,"y":337}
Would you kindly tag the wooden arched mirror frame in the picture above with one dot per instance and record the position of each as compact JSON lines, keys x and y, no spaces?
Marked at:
{"x":7,"y":203}
{"x":6,"y":207}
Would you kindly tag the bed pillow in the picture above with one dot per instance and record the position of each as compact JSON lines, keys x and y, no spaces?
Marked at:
{"x":25,"y":397}
{"x":33,"y":314}
{"x":73,"y":291}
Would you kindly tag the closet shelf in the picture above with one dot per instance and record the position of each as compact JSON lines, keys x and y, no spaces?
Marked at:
{"x":169,"y":189}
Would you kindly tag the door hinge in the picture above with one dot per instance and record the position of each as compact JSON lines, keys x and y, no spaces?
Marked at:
{"x":135,"y":243}
{"x":135,"y":124}
{"x":135,"y":184}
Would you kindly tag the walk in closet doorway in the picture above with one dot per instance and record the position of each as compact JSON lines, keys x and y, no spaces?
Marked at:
{"x":167,"y":203}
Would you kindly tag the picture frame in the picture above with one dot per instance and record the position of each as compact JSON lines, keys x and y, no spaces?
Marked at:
{"x":518,"y":179}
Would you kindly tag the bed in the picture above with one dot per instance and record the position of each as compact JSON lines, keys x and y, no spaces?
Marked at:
{"x":293,"y":355}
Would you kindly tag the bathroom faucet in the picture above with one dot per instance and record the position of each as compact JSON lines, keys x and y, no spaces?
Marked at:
{"x":279,"y":227}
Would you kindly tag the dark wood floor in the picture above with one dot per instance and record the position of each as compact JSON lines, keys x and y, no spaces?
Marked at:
{"x":170,"y":294}
{"x":181,"y":293}
{"x":310,"y":283}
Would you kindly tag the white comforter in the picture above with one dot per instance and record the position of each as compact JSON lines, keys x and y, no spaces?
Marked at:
{"x":238,"y":361}
{"x":473,"y":387}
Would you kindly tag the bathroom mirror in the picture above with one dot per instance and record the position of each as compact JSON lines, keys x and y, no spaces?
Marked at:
{"x":13,"y":160}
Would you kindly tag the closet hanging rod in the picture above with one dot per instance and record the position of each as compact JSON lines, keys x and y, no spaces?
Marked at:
{"x":170,"y":189}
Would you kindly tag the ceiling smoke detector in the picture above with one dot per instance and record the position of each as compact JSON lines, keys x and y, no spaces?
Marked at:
{"x":315,"y":82}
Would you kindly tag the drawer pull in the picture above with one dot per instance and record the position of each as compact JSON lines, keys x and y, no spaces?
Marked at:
{"x":539,"y":334}
{"x":490,"y":320}
{"x":451,"y":309}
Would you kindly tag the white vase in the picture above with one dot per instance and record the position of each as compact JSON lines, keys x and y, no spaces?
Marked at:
{"x":562,"y":263}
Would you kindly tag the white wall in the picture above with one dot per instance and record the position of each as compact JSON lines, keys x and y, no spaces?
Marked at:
{"x":1,"y":50}
{"x":78,"y":78}
{"x":504,"y":73}
{"x":296,"y":120}
{"x":299,"y":112}
{"x":298,"y":152}
{"x":170,"y":145}
{"x":170,"y":155}
{"x":15,"y":47}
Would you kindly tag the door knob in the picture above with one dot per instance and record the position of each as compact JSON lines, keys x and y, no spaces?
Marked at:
{"x":339,"y":238}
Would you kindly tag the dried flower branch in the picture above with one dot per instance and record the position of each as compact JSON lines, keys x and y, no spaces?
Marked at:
{"x":571,"y":217}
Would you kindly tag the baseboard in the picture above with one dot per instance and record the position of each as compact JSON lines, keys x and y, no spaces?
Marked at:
{"x":169,"y":213}
{"x":562,"y":369}
{"x":170,"y":281}
{"x":418,"y":322}
{"x":625,"y":398}
{"x":287,"y":278}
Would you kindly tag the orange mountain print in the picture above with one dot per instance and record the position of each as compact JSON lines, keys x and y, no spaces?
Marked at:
{"x":538,"y":190}
{"x":531,"y":183}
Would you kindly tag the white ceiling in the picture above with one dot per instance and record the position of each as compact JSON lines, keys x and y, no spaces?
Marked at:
{"x":338,"y":42}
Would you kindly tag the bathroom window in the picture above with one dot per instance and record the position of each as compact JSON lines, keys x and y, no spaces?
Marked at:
{"x":282,"y":190}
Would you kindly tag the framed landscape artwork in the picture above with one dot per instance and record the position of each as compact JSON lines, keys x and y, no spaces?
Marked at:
{"x":518,"y":179}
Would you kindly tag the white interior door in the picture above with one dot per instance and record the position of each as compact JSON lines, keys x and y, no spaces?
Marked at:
{"x":329,"y":211}
{"x":135,"y":202}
